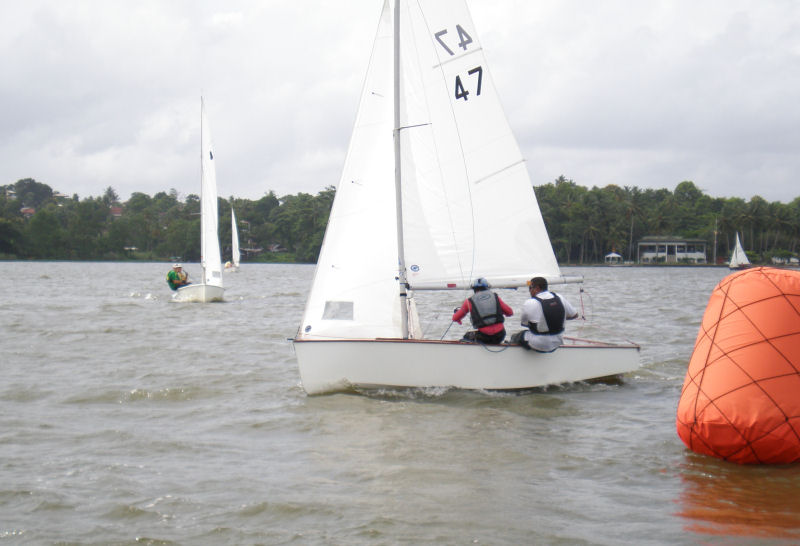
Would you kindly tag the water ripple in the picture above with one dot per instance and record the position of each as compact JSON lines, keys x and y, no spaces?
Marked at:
{"x":127,"y":419}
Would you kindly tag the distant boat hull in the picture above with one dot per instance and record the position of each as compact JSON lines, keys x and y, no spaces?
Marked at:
{"x":337,"y":365}
{"x":198,"y":293}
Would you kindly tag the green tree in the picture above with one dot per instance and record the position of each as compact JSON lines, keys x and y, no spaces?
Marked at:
{"x":31,"y":193}
{"x":110,"y":196}
{"x":44,"y":236}
{"x":10,"y":237}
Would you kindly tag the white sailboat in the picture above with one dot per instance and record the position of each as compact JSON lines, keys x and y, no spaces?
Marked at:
{"x":738,"y":257}
{"x":233,"y":265}
{"x":210,"y":286}
{"x":434,"y":193}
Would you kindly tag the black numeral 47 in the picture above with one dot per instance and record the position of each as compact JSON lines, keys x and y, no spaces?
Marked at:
{"x":461,"y":92}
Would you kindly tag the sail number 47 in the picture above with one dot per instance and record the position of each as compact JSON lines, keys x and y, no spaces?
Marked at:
{"x":462,"y":93}
{"x":464,"y":40}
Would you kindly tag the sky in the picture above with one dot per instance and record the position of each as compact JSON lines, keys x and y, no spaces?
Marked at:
{"x":99,"y":93}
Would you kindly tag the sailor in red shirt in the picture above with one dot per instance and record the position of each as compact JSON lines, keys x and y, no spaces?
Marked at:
{"x":486,"y":310}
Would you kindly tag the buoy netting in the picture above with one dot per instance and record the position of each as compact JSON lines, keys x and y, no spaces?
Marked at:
{"x":741,"y":396}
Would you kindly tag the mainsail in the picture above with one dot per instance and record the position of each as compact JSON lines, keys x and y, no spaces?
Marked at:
{"x":209,"y":219}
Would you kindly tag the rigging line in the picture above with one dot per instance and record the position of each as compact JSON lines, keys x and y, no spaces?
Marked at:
{"x":583,"y":313}
{"x":584,"y":321}
{"x":447,"y":330}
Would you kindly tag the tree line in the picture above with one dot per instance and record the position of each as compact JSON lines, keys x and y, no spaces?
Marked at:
{"x":584,"y":224}
{"x":37,"y":223}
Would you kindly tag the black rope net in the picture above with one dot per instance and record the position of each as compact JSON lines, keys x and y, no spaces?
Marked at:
{"x":741,"y":397}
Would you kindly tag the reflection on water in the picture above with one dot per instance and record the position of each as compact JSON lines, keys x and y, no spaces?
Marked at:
{"x":721,"y":498}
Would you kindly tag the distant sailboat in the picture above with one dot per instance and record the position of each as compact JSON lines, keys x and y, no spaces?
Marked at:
{"x":434,"y":192}
{"x":233,"y":265}
{"x":738,"y":257}
{"x":210,"y":287}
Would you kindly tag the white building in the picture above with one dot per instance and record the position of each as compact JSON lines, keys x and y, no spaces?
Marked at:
{"x":670,"y":249}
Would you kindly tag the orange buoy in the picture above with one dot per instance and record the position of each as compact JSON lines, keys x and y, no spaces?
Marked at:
{"x":741,"y":397}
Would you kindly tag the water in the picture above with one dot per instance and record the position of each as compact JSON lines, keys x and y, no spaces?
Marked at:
{"x":127,"y":419}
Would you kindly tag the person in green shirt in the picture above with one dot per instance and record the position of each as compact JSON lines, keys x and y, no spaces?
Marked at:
{"x":177,"y":277}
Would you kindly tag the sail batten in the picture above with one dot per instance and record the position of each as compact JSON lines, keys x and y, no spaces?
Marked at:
{"x":487,"y":177}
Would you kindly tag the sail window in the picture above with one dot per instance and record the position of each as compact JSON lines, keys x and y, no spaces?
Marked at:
{"x":338,"y":310}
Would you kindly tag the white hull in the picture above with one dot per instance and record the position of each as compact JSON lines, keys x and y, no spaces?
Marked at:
{"x":198,"y":293}
{"x":333,"y":365}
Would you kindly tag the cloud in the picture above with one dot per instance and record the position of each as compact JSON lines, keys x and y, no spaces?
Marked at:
{"x":99,"y":94}
{"x":651,"y":94}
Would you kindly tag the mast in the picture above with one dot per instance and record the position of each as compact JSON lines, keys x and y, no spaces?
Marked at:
{"x":714,"y":259}
{"x":202,"y":196}
{"x":401,"y":264}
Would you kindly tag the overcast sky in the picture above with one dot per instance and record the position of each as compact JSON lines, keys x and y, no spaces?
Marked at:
{"x":643,"y":93}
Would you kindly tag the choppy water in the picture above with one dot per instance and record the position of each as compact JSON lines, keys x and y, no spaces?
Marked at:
{"x":127,"y":419}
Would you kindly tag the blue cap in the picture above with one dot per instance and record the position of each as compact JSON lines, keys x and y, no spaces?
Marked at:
{"x":480,"y":282}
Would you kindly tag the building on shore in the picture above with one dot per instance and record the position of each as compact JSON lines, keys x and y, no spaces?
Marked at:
{"x":669,"y":249}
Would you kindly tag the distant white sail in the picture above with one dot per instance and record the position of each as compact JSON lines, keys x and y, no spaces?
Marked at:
{"x":738,"y":256}
{"x":235,"y":254}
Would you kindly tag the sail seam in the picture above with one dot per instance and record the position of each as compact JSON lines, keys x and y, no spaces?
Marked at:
{"x":457,"y":58}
